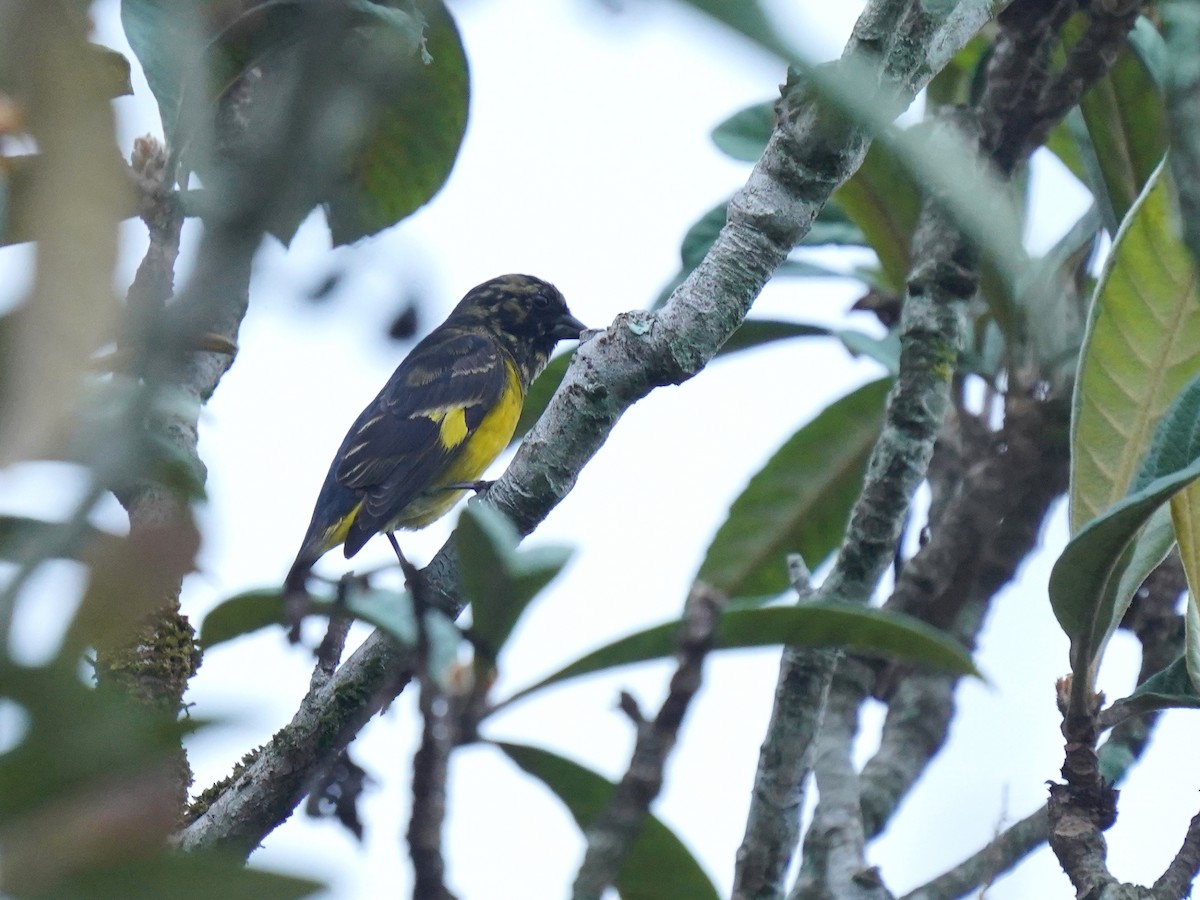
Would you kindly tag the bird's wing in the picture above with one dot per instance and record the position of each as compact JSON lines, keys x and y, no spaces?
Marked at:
{"x":414,"y":429}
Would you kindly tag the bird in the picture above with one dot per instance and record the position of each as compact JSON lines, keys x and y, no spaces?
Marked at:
{"x":443,"y":416}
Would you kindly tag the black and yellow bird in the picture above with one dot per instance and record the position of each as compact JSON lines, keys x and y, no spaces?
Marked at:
{"x":445,"y":414}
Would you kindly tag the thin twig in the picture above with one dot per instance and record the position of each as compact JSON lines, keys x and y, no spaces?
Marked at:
{"x":1176,"y":882}
{"x":1005,"y":850}
{"x":430,"y":775}
{"x":614,"y":830}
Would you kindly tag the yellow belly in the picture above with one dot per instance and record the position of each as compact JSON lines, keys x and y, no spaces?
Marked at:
{"x":477,"y":453}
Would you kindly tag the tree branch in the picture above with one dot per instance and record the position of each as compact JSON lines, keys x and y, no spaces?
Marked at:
{"x":613,"y":832}
{"x":1176,"y":882}
{"x":809,"y":155}
{"x":784,"y":762}
{"x":1013,"y":844}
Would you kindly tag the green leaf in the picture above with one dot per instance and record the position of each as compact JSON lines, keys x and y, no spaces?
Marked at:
{"x":957,"y":83}
{"x":1087,"y":589}
{"x":1138,"y":352}
{"x":184,"y":876}
{"x":540,"y":393}
{"x":658,"y":867}
{"x":744,"y":135}
{"x":843,"y":625}
{"x":701,"y":236}
{"x":884,"y":350}
{"x":498,"y":579}
{"x":1127,"y":123}
{"x":800,"y":501}
{"x":123,"y":739}
{"x":392,"y":612}
{"x":752,"y":333}
{"x":401,"y":126}
{"x":112,"y":70}
{"x":241,"y":614}
{"x":21,"y":537}
{"x":758,"y":332}
{"x":1051,"y":301}
{"x":414,"y":139}
{"x":1172,"y":688}
{"x":164,"y":36}
{"x":748,"y":19}
{"x":883,"y":200}
{"x":1191,"y":645}
{"x":1064,"y":143}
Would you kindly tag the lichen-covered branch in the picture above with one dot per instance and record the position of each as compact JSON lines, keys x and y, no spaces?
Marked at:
{"x":784,"y":761}
{"x":810,"y":154}
{"x":979,"y":870}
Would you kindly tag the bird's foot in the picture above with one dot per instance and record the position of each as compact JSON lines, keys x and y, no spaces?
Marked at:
{"x":477,"y":486}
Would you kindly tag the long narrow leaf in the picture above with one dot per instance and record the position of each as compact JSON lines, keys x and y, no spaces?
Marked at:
{"x":659,"y":866}
{"x":800,"y":500}
{"x":1089,"y":587}
{"x":1138,"y":352}
{"x":849,"y":626}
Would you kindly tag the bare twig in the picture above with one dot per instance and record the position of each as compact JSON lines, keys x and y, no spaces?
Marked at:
{"x":612,"y":834}
{"x":1159,"y":629}
{"x":1013,"y":844}
{"x":430,"y":777}
{"x":1176,"y":882}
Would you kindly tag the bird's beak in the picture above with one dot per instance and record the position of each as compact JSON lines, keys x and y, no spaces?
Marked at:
{"x":567,"y":327}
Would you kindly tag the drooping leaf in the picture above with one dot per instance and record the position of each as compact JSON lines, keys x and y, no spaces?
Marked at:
{"x":131,"y":578}
{"x":1051,"y":298}
{"x":1138,"y":352}
{"x":1064,"y":142}
{"x":747,"y":18}
{"x":165,"y":38}
{"x":185,"y":876}
{"x":123,"y":739}
{"x":744,"y":135}
{"x":957,"y":83}
{"x":844,"y":625}
{"x":390,"y":143}
{"x":1127,"y":124}
{"x":658,"y":867}
{"x":1169,"y":689}
{"x":392,"y":612}
{"x":240,"y":615}
{"x":414,"y":139}
{"x":752,"y":333}
{"x":759,"y":332}
{"x":884,"y":350}
{"x":800,"y":501}
{"x":20,"y":536}
{"x":497,"y":578}
{"x":540,"y":394}
{"x":1191,"y":646}
{"x":1089,"y":589}
{"x":882,"y":199}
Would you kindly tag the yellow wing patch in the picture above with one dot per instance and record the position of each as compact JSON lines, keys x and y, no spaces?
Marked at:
{"x":452,"y":425}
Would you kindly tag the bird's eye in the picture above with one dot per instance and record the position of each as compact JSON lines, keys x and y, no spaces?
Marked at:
{"x":541,"y":301}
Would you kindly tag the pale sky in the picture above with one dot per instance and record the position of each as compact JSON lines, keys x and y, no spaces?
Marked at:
{"x":586,"y":159}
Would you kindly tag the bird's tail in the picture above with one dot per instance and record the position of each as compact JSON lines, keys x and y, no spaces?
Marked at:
{"x":295,"y":594}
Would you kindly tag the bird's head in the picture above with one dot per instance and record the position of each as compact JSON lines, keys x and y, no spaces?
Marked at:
{"x":527,"y":316}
